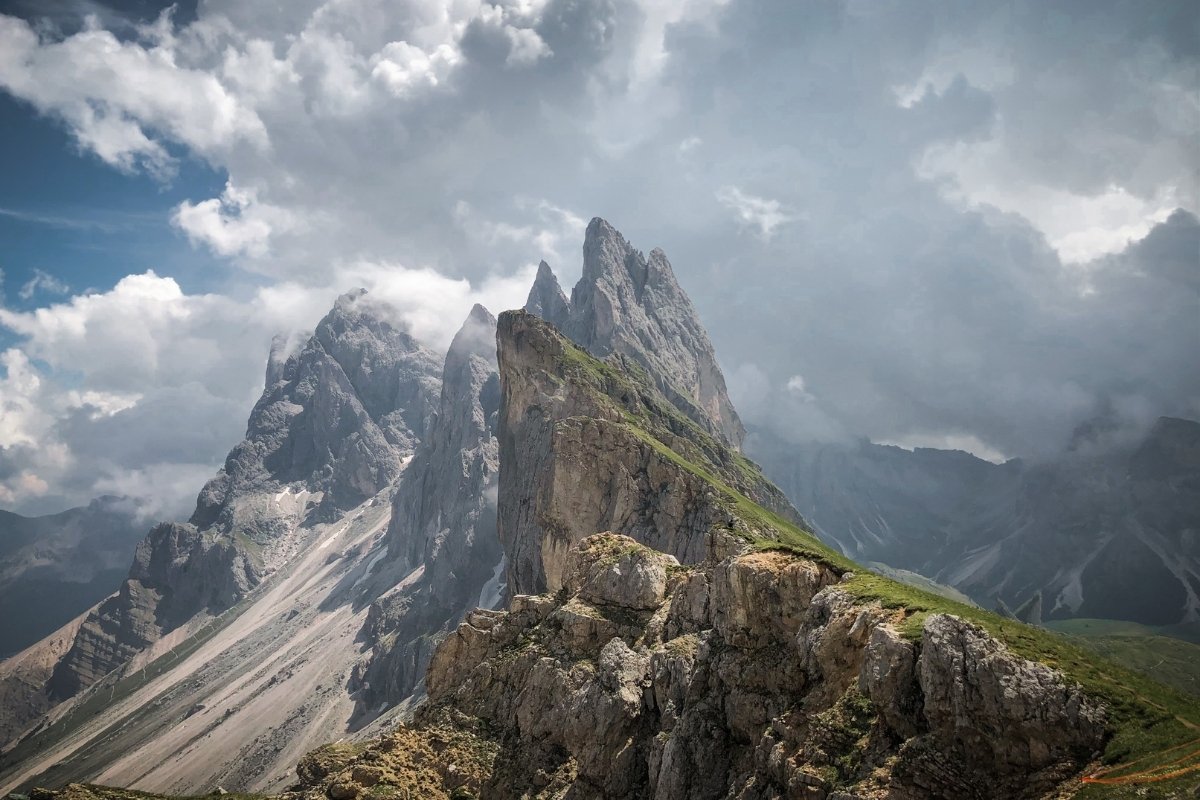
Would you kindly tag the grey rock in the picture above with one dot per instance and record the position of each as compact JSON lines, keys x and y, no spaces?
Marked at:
{"x":628,"y":304}
{"x":178,"y":572}
{"x":615,"y":570}
{"x":546,"y":298}
{"x":572,"y":466}
{"x":790,"y":686}
{"x":973,"y":688}
{"x":339,"y":417}
{"x":443,"y":522}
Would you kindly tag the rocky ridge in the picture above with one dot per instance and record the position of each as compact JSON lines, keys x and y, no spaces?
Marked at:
{"x":573,"y":461}
{"x":442,"y":535}
{"x":766,"y":667}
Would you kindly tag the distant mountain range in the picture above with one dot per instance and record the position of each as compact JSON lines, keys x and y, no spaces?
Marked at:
{"x":55,"y":567}
{"x":1101,"y":532}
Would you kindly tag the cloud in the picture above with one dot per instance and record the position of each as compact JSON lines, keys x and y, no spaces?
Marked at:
{"x":42,"y":282}
{"x":755,"y":212}
{"x":232,"y":224}
{"x":54,"y":221}
{"x":403,"y":68}
{"x":115,"y":95}
{"x":990,"y":251}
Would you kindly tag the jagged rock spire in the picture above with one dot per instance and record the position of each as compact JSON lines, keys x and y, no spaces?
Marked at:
{"x":443,"y":519}
{"x":629,"y":304}
{"x":546,"y":298}
{"x":340,"y":414}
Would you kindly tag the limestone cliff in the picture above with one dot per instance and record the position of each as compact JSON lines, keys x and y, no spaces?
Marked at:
{"x":574,"y":462}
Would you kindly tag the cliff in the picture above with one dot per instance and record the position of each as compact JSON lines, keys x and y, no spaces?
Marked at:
{"x":765,"y":666}
{"x":442,"y":550}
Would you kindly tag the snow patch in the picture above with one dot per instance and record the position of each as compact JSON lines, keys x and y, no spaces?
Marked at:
{"x":493,"y":591}
{"x":375,"y":559}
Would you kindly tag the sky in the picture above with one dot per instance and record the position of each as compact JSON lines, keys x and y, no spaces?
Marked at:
{"x":954,"y":224}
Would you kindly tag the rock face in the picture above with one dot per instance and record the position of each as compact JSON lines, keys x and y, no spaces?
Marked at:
{"x":442,"y":536}
{"x":177,"y":573}
{"x":69,"y":561}
{"x":546,"y":298}
{"x":573,"y":465}
{"x":631,"y":305}
{"x":741,"y":672}
{"x":331,"y":430}
{"x":338,"y":417}
{"x":626,"y":693}
{"x":1110,"y":532}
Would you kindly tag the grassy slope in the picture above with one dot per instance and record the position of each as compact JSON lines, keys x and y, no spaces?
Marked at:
{"x":1147,"y":717}
{"x":1171,"y":660}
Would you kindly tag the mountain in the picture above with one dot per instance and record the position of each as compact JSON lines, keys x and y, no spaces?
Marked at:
{"x":55,"y":567}
{"x":441,"y":539}
{"x":239,"y":586}
{"x":1101,"y":532}
{"x":353,"y":447}
{"x":542,"y":568}
{"x":720,"y":650}
{"x":549,"y":429}
{"x":629,"y":304}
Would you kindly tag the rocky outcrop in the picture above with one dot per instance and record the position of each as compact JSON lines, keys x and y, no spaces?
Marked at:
{"x":178,"y":572}
{"x":441,"y":540}
{"x":546,"y":298}
{"x":572,"y":464}
{"x":628,"y":304}
{"x":627,"y":684}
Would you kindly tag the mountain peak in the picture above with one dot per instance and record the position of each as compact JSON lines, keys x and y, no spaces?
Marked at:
{"x":629,"y":304}
{"x":479,"y":313}
{"x":477,"y":336}
{"x":546,"y":298}
{"x":607,"y":256}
